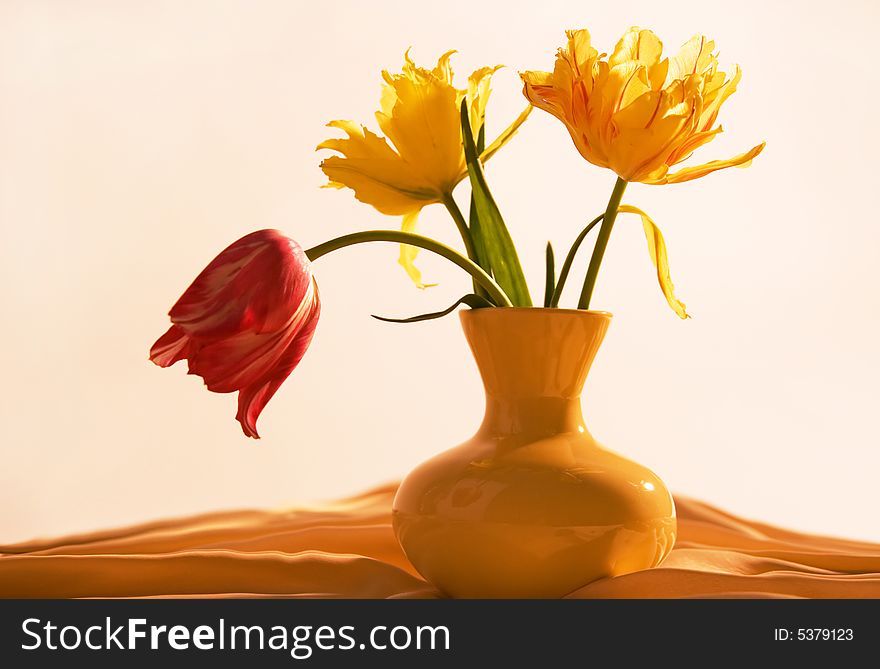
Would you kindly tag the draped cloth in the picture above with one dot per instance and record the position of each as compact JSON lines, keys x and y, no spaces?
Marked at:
{"x":348,"y":550}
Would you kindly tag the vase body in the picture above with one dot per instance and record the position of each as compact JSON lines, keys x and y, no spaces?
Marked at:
{"x":532,"y":506}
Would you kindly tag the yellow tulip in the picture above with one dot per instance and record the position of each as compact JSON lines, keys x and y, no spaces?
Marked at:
{"x":634,"y":113}
{"x":424,"y":161}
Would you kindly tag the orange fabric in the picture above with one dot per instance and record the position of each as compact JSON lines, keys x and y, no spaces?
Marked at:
{"x":349,"y":550}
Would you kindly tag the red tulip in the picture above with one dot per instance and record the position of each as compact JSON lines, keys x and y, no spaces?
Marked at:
{"x":246,"y":321}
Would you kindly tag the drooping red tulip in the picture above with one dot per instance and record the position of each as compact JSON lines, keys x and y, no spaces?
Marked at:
{"x":246,"y":321}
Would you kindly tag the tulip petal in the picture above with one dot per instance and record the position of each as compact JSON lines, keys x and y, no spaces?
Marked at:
{"x":422,"y":126}
{"x":408,"y":253}
{"x":540,"y":90}
{"x":635,"y":152}
{"x":657,"y":251}
{"x":377,"y":174}
{"x":639,"y":113}
{"x":580,"y":48}
{"x":253,"y":398}
{"x":693,"y":142}
{"x":478,"y":95}
{"x":690,"y":173}
{"x":443,"y":71}
{"x":694,"y":57}
{"x":171,"y":347}
{"x":715,"y":98}
{"x":638,"y":45}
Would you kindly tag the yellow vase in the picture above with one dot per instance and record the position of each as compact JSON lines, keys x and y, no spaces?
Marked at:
{"x":532,"y":505}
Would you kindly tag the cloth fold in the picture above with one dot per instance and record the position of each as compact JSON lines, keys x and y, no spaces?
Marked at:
{"x":348,"y":550}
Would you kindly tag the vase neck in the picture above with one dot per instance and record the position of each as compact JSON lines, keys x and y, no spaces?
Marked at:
{"x":534,"y":363}
{"x":532,"y":416}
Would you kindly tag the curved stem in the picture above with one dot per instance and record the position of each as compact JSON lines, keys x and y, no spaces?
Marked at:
{"x":601,"y":243}
{"x":400,"y":237}
{"x":569,"y":259}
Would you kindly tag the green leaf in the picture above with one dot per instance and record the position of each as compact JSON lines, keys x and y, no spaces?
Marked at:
{"x":474,"y":224}
{"x":472,"y":300}
{"x":550,"y":276}
{"x":474,"y":218}
{"x":505,"y":136}
{"x":500,"y":251}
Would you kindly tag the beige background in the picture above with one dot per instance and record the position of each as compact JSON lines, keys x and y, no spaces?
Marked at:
{"x":137,"y":139}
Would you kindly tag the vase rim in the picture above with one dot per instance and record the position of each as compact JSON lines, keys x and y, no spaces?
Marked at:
{"x":469,"y":313}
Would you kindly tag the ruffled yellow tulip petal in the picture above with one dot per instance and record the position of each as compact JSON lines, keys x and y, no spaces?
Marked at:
{"x":657,"y":251}
{"x":374,"y":171}
{"x":632,"y":112}
{"x":695,"y":56}
{"x":416,"y":117}
{"x":641,"y":46}
{"x":420,"y":159}
{"x":408,"y":253}
{"x":478,"y":95}
{"x":690,"y":173}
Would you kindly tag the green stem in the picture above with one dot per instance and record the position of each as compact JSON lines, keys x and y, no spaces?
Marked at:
{"x":399,"y":237}
{"x":601,"y":243}
{"x":463,"y":230}
{"x":549,"y":275}
{"x":461,"y":224}
{"x":569,"y":259}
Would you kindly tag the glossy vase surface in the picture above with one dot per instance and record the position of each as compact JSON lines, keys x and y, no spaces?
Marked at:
{"x":532,"y":505}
